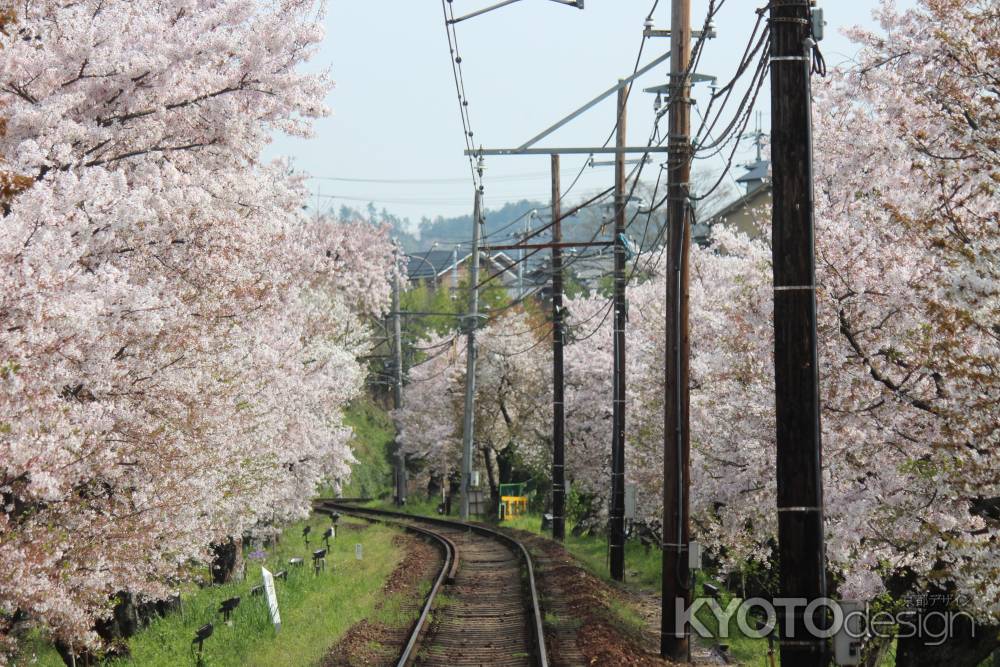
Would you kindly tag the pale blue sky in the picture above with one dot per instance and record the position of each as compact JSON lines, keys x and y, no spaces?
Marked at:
{"x":395,"y":112}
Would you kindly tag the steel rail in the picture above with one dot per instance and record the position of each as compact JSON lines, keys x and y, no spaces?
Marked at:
{"x":541,"y":654}
{"x":448,"y":570}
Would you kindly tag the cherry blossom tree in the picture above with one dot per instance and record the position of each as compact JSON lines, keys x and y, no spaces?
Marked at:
{"x":907,"y":242}
{"x":513,"y":406}
{"x":907,"y":247}
{"x":178,"y":341}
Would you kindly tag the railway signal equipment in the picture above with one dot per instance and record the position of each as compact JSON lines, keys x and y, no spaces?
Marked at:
{"x":200,"y":635}
{"x":319,"y":560}
{"x":227,"y":607}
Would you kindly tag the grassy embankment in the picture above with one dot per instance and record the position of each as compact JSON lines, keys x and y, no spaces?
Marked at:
{"x":315,"y":611}
{"x":374,"y":434}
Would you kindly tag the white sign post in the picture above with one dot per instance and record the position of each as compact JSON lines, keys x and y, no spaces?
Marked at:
{"x":272,"y":598}
{"x":357,"y":551}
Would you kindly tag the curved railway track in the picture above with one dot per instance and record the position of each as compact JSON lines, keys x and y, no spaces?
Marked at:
{"x":492,"y":615}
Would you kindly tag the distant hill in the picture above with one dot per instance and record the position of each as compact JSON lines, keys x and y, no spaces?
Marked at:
{"x":589,"y":224}
{"x":448,"y":231}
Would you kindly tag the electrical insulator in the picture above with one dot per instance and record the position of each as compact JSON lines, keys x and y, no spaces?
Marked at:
{"x":658,"y":104}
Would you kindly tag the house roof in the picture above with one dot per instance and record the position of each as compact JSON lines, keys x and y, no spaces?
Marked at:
{"x":759,"y":171}
{"x":435,"y":263}
{"x":431,"y":264}
{"x":756,"y":190}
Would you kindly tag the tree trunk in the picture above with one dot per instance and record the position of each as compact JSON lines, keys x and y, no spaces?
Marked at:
{"x":127,"y":618}
{"x":226,"y":561}
{"x":967,"y":645}
{"x":491,"y":477}
{"x":454,"y":488}
{"x":434,"y":486}
{"x":505,"y":464}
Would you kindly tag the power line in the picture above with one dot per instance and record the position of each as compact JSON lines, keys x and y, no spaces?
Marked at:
{"x":458,"y":76}
{"x":427,"y":181}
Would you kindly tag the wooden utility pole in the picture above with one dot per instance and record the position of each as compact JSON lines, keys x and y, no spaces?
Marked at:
{"x":558,"y":411}
{"x":397,"y":393}
{"x":802,"y":570}
{"x":676,"y":434}
{"x":616,"y":541}
{"x":471,"y":323}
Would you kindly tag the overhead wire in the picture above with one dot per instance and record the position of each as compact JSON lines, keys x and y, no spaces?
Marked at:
{"x":459,"y":78}
{"x":654,"y":206}
{"x":426,"y":181}
{"x":713,"y":9}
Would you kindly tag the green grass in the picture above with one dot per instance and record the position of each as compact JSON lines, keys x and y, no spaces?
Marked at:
{"x":315,"y":610}
{"x":643,"y":571}
{"x":36,"y":649}
{"x":397,"y":610}
{"x":642,"y":568}
{"x":374,"y":435}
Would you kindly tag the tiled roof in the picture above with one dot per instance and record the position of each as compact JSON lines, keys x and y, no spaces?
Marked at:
{"x":430,"y":264}
{"x":757,"y":172}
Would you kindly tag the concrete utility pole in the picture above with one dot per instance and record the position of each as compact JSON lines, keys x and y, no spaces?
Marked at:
{"x":802,"y":570}
{"x":676,"y":446}
{"x":397,"y":394}
{"x":616,"y":541}
{"x":558,"y":412}
{"x":472,"y":322}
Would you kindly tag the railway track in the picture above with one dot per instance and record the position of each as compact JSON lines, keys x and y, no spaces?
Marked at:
{"x":492,"y":615}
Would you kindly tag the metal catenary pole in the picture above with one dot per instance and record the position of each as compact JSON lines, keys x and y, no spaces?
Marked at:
{"x":472,"y":322}
{"x":802,"y":568}
{"x":616,"y":541}
{"x":617,"y":523}
{"x":558,"y":412}
{"x":676,"y":446}
{"x":397,"y":394}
